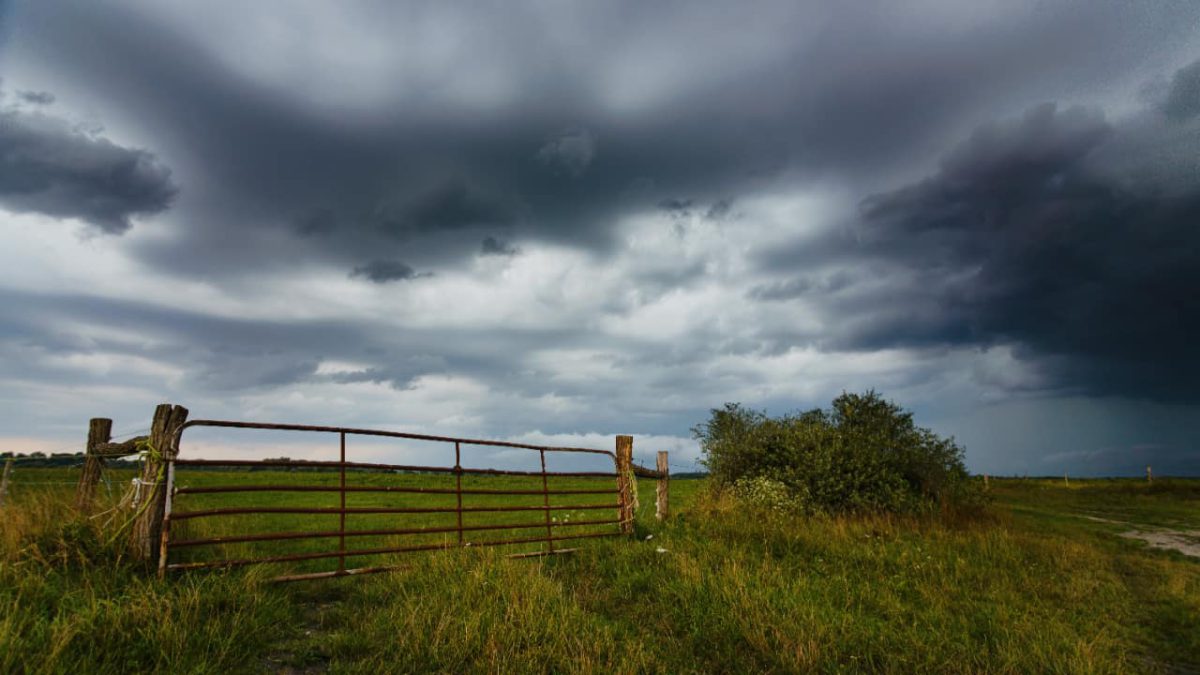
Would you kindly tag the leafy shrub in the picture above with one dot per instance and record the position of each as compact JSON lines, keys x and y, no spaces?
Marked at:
{"x":863,"y":454}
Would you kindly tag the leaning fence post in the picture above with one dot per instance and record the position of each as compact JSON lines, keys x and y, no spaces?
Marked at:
{"x":662,"y":507}
{"x":147,"y":524}
{"x":624,"y":483}
{"x":4,"y":481}
{"x":99,"y":431}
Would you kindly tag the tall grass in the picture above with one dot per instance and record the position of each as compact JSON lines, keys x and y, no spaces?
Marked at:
{"x":1028,"y":587}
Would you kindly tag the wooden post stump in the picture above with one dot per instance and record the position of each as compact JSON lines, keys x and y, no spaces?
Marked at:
{"x":4,"y":481}
{"x":661,"y":506}
{"x":99,"y":431}
{"x":147,"y":524}
{"x":625,"y":483}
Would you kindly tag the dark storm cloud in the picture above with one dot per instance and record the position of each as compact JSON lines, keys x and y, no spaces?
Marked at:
{"x":383,"y":271}
{"x":556,"y":157}
{"x":494,"y":246}
{"x":571,"y":151}
{"x":48,"y":166}
{"x":453,"y":205}
{"x":36,"y":97}
{"x":1183,"y":101}
{"x":400,"y":135}
{"x":1032,"y":233}
{"x":801,"y":286}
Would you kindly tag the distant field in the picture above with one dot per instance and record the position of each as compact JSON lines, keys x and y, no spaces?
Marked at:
{"x":1045,"y":581}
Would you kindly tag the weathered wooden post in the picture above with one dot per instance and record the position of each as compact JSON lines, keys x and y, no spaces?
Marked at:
{"x":4,"y":481}
{"x":661,"y":506}
{"x":625,"y":483}
{"x":99,"y":431}
{"x":147,"y":524}
{"x":985,"y":482}
{"x":1149,"y":474}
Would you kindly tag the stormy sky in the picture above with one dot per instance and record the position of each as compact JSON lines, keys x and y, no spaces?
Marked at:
{"x":557,"y":222}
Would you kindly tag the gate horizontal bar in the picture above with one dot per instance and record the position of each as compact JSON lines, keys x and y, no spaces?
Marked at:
{"x":378,"y":551}
{"x":385,"y":467}
{"x":279,"y":536}
{"x":337,"y":573}
{"x":389,"y":434}
{"x":381,"y":488}
{"x":539,"y":554}
{"x":392,"y":568}
{"x":183,"y":515}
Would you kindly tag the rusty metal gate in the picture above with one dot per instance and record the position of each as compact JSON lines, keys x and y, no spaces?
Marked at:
{"x":551,"y":529}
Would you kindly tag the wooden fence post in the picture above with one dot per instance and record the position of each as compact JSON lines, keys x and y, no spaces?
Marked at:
{"x":1149,"y":474}
{"x":99,"y":431}
{"x":625,"y":483}
{"x":662,"y":507}
{"x":147,"y":524}
{"x":4,"y":481}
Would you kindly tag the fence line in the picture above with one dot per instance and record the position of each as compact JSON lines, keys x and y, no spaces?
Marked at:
{"x":152,"y":496}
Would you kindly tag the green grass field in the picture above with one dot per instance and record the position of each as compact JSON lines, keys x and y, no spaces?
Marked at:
{"x":1042,"y":582}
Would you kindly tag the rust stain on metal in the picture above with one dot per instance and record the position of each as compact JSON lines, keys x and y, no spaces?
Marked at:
{"x":342,"y":466}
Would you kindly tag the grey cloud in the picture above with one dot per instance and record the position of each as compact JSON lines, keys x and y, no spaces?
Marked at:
{"x":317,"y":222}
{"x":453,"y":205}
{"x":494,"y":246}
{"x":801,"y":286}
{"x":676,"y":206}
{"x":1046,"y":232}
{"x":571,"y":151}
{"x":720,"y":209}
{"x":384,"y":271}
{"x":1026,"y":234}
{"x":47,"y":166}
{"x":1183,"y":98}
{"x":36,"y":97}
{"x":798,"y":106}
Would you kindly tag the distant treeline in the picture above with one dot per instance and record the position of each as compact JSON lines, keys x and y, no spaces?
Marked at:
{"x":74,"y":460}
{"x":42,"y":460}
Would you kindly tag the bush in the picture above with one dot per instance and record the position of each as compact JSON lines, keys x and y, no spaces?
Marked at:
{"x":863,"y":454}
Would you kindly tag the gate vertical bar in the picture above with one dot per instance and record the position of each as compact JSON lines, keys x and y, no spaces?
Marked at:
{"x":458,"y":488}
{"x":342,"y":515}
{"x":546,"y":503}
